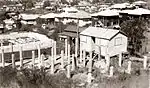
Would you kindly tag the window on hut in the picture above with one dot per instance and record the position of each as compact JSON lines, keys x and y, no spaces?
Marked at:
{"x":93,"y":38}
{"x":118,"y":41}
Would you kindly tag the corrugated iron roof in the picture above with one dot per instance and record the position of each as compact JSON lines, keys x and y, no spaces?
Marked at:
{"x":98,"y":32}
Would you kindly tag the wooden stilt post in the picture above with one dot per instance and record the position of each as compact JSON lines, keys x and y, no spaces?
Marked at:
{"x":90,"y":69}
{"x":52,"y":60}
{"x":55,"y":53}
{"x":120,"y":59}
{"x":21,"y":57}
{"x":84,"y":58}
{"x":68,"y":67}
{"x":111,"y":71}
{"x":81,"y":57}
{"x":13,"y":60}
{"x":76,"y":47}
{"x":42,"y":60}
{"x":1,"y":50}
{"x":73,"y":63}
{"x":11,"y":47}
{"x":39,"y":54}
{"x":62,"y":59}
{"x":129,"y":67}
{"x":145,"y":62}
{"x":33,"y":58}
{"x":66,"y":48}
{"x":107,"y":60}
{"x":3,"y":60}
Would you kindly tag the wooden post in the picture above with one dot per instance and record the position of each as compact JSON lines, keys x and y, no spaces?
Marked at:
{"x":73,"y":63}
{"x":111,"y":72}
{"x":3,"y":60}
{"x":42,"y":60}
{"x":39,"y":53}
{"x":62,"y":59}
{"x":11,"y":47}
{"x":68,"y":67}
{"x":81,"y":58}
{"x":84,"y":58}
{"x":107,"y":60}
{"x":33,"y":58}
{"x":120,"y":59}
{"x":129,"y":67}
{"x":66,"y":48}
{"x":21,"y":57}
{"x":13,"y":60}
{"x":76,"y":48}
{"x":52,"y":60}
{"x":90,"y":69}
{"x":145,"y":62}
{"x":55,"y":53}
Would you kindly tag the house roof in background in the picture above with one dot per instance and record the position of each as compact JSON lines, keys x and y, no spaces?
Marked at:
{"x":79,"y":14}
{"x":49,"y":15}
{"x":29,"y":16}
{"x":73,"y":28}
{"x":107,"y":12}
{"x":139,"y":11}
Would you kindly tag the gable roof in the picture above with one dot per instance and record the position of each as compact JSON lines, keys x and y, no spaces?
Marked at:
{"x":103,"y":33}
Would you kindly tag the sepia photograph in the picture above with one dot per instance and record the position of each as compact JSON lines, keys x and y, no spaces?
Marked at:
{"x":74,"y":43}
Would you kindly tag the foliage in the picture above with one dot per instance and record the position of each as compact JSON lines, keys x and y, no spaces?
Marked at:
{"x":32,"y":78}
{"x":27,"y":3}
{"x":46,"y":3}
{"x":134,"y":29}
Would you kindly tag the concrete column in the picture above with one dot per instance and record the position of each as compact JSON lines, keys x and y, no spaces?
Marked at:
{"x":111,"y":71}
{"x":52,"y":60}
{"x":129,"y":67}
{"x":66,"y":48}
{"x":73,"y":63}
{"x":84,"y":56}
{"x":21,"y":57}
{"x":13,"y":60}
{"x":62,"y":59}
{"x":3,"y":59}
{"x":120,"y":59}
{"x":68,"y":67}
{"x":90,"y":69}
{"x":33,"y":58}
{"x":145,"y":62}
{"x":39,"y":53}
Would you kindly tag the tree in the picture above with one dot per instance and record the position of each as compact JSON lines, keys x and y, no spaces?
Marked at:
{"x":135,"y":29}
{"x":27,"y":3}
{"x":46,"y":3}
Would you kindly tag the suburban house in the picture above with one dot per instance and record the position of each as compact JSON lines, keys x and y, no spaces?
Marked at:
{"x":103,"y":41}
{"x":70,"y":33}
{"x":49,"y":18}
{"x":105,"y":18}
{"x":29,"y":18}
{"x":73,"y":15}
{"x":135,"y":13}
